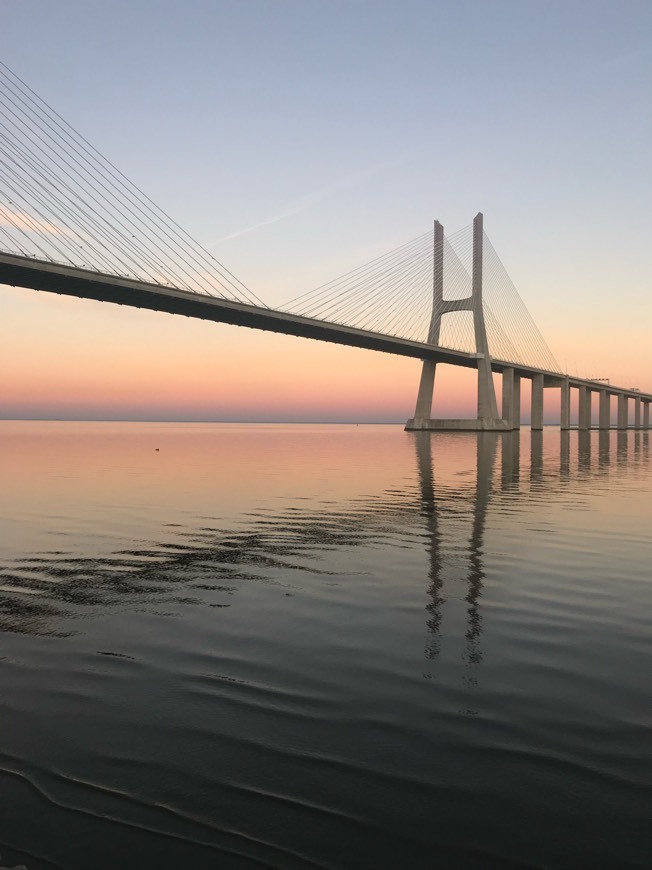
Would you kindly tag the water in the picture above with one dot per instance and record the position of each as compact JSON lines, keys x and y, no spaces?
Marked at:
{"x":324,"y":646}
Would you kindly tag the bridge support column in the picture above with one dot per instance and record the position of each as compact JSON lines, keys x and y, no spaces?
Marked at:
{"x":637,"y":412}
{"x":622,"y":411}
{"x":511,"y":398}
{"x":487,"y":406}
{"x":516,"y":403}
{"x":536,"y":418}
{"x":584,"y":418}
{"x":423,"y":410}
{"x":646,"y":415}
{"x":564,"y":421}
{"x":508,"y":395}
{"x":605,"y":410}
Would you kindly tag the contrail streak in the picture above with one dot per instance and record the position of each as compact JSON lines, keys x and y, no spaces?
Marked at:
{"x":314,"y":198}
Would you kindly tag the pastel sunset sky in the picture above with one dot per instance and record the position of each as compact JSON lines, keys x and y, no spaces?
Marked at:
{"x":298,"y":139}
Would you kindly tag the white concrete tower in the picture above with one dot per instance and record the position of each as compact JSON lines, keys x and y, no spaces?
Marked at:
{"x":487,"y":415}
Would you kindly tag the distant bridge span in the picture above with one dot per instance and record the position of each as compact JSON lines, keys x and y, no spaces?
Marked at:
{"x":51,"y":277}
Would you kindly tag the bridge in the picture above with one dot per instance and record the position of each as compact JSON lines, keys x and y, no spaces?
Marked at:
{"x":71,"y":223}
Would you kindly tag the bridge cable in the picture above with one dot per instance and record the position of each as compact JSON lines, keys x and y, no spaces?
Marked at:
{"x":88,"y":211}
{"x":157,"y":223}
{"x":122,"y":192}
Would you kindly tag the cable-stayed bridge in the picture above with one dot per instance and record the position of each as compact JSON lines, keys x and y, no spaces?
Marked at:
{"x":71,"y":223}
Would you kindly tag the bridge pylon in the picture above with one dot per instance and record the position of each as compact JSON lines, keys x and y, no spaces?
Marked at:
{"x":487,"y":419}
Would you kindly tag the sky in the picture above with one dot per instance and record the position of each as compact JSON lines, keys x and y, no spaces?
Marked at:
{"x":298,"y":139}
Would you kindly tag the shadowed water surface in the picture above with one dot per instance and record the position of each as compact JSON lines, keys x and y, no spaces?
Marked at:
{"x":324,"y":646}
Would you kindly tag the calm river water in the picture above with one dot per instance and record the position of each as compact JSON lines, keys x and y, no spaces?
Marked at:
{"x":324,"y":646}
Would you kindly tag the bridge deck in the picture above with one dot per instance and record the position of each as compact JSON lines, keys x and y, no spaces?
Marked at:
{"x":44,"y":275}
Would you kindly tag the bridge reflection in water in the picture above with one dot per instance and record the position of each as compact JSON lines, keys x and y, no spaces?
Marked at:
{"x":513,"y":471}
{"x":579,"y":458}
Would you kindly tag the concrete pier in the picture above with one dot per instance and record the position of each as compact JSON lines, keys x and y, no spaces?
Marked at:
{"x":516,"y":403}
{"x":536,"y":423}
{"x":584,"y":419}
{"x":487,"y":406}
{"x":423,"y":407}
{"x":508,"y":395}
{"x":604,"y":420}
{"x":564,"y":421}
{"x":511,"y":406}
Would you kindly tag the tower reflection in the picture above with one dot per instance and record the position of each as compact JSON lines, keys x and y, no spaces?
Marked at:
{"x":431,"y":508}
{"x":422,"y":441}
{"x":440,"y":505}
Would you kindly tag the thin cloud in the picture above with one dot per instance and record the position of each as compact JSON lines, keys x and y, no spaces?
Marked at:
{"x":20,"y":220}
{"x":314,"y":198}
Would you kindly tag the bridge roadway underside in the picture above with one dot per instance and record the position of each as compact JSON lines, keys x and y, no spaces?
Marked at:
{"x":71,"y":281}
